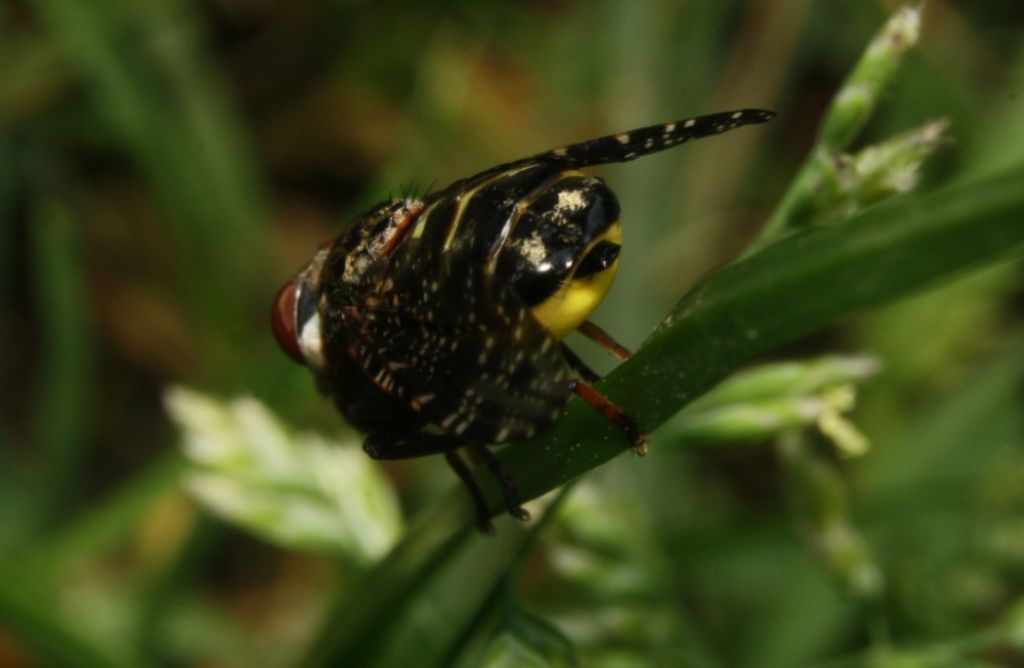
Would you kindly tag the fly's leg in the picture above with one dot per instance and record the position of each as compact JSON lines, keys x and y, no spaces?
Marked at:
{"x":457,"y":464}
{"x":383,"y":445}
{"x":603,"y":339}
{"x":603,"y":405}
{"x":578,"y":365}
{"x":513,"y":502}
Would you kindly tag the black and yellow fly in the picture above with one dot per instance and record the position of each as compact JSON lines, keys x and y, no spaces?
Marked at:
{"x":436,"y":323}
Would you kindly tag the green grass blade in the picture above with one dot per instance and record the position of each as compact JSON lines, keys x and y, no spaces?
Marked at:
{"x":153,"y":83}
{"x":55,"y":643}
{"x":103,"y":525}
{"x":62,"y":400}
{"x":418,"y":604}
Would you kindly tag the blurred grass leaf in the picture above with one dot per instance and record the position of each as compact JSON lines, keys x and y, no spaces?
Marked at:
{"x":53,"y":640}
{"x":616,"y":603}
{"x":529,"y":642}
{"x":163,"y":102}
{"x":829,"y":182}
{"x":300,"y":491}
{"x":854,"y":103}
{"x":422,"y":601}
{"x":759,"y":404}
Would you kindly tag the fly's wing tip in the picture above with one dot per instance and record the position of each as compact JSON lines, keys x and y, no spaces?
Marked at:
{"x":759,"y":115}
{"x":744,"y":116}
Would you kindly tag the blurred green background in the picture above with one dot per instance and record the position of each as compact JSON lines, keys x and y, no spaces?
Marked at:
{"x":166,"y":165}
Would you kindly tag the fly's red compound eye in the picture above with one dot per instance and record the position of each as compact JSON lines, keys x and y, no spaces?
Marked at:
{"x":283,"y":317}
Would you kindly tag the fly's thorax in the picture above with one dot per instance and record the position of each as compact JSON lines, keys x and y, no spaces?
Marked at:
{"x":552,"y":235}
{"x":470,"y":219}
{"x":562,"y":254}
{"x":372,"y":236}
{"x":300,"y":320}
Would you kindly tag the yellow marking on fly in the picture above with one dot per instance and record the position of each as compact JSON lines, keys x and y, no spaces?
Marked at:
{"x":457,"y":217}
{"x":562,"y":312}
{"x":466,"y":196}
{"x":421,"y":222}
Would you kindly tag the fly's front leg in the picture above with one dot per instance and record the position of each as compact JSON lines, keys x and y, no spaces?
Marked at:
{"x":603,"y":339}
{"x":603,"y":405}
{"x":383,"y":445}
{"x":483,"y":515}
{"x":578,"y":365}
{"x":513,"y":502}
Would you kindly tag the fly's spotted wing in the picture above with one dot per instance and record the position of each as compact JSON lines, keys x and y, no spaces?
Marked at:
{"x":459,"y":345}
{"x":626,"y":146}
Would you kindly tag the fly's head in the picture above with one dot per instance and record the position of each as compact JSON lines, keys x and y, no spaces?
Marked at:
{"x":295,"y":315}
